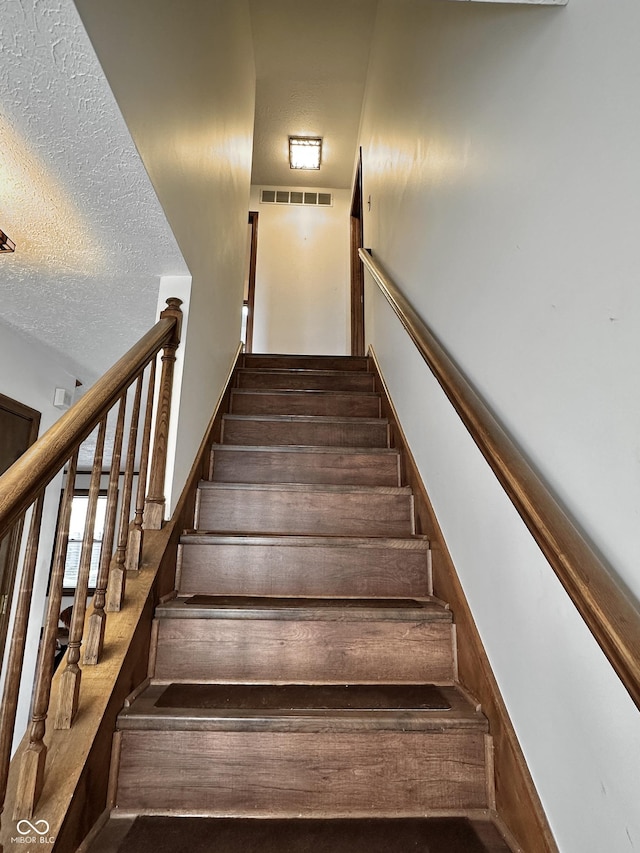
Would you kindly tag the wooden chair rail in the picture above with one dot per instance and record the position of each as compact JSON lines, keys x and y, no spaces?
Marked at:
{"x":608,"y":609}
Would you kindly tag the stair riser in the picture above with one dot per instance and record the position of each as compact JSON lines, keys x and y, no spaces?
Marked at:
{"x":284,"y":774}
{"x":241,"y":569}
{"x":319,"y":433}
{"x":340,"y":469}
{"x":295,"y":650}
{"x":309,"y":513}
{"x":305,"y":362}
{"x":305,"y":403}
{"x":302,"y":381}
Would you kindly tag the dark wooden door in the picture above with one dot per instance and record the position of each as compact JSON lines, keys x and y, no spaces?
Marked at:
{"x":357,"y":273}
{"x":18,"y":429}
{"x":250,"y":284}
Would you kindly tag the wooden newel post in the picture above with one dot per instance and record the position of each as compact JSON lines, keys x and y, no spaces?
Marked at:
{"x":155,"y":502}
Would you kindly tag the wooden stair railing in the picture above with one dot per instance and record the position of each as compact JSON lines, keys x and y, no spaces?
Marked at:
{"x":22,"y":487}
{"x":608,"y":610}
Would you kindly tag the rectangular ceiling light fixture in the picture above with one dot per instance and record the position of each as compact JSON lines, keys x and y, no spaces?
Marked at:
{"x":6,"y":245}
{"x":305,"y":152}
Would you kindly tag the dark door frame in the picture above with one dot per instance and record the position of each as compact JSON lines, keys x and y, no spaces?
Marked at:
{"x":357,"y":272}
{"x":10,"y":550}
{"x":251,"y":290}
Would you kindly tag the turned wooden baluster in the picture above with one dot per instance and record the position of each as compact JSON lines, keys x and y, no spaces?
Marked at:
{"x":16,"y":651}
{"x":155,"y":503}
{"x":70,"y":679}
{"x":134,"y":546}
{"x":115,"y":588}
{"x":97,"y":621}
{"x":34,"y":757}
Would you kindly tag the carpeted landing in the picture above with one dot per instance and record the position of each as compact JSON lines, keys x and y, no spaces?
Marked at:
{"x":157,"y":834}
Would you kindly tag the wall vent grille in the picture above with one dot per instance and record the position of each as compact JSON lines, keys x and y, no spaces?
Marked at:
{"x":315,"y":199}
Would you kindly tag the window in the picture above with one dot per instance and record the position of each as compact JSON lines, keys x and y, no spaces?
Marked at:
{"x":79,"y":505}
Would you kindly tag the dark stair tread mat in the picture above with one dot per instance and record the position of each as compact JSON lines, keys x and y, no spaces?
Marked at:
{"x":301,"y":697}
{"x":235,"y":601}
{"x":310,"y":392}
{"x":150,"y":834}
{"x":300,"y":371}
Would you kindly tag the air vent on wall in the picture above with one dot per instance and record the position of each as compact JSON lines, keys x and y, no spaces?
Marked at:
{"x":296,"y":197}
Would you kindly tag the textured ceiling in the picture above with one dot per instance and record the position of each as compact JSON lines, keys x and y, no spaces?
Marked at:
{"x":92,"y":239}
{"x":91,"y":236}
{"x":311,"y":66}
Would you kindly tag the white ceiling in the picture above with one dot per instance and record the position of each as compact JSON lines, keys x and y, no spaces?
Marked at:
{"x":311,"y":67}
{"x":92,"y":239}
{"x":91,"y":236}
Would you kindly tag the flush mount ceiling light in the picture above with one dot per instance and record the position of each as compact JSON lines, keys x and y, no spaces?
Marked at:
{"x":305,"y":152}
{"x":6,"y":245}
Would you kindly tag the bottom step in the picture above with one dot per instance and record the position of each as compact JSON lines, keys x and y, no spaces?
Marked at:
{"x":149,"y":834}
{"x":302,"y":751}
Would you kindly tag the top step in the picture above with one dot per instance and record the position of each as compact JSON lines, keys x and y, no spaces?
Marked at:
{"x":259,"y":361}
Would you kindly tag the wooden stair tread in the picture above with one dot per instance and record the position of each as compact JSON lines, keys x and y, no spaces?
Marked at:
{"x":299,"y":371}
{"x":151,"y":833}
{"x":262,"y":607}
{"x":307,"y":392}
{"x":410,"y":543}
{"x":302,"y":419}
{"x":319,"y":449}
{"x":302,"y":707}
{"x":338,"y":489}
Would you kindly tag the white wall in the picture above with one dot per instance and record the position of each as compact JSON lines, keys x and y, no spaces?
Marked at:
{"x":187,"y":94}
{"x":302,"y":277}
{"x":29,"y":373}
{"x":501,"y":156}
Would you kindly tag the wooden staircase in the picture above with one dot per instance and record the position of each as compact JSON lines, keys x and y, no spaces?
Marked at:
{"x":303,"y":689}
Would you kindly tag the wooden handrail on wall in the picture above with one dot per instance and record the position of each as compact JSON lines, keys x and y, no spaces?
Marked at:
{"x":609,"y":612}
{"x":22,"y":487}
